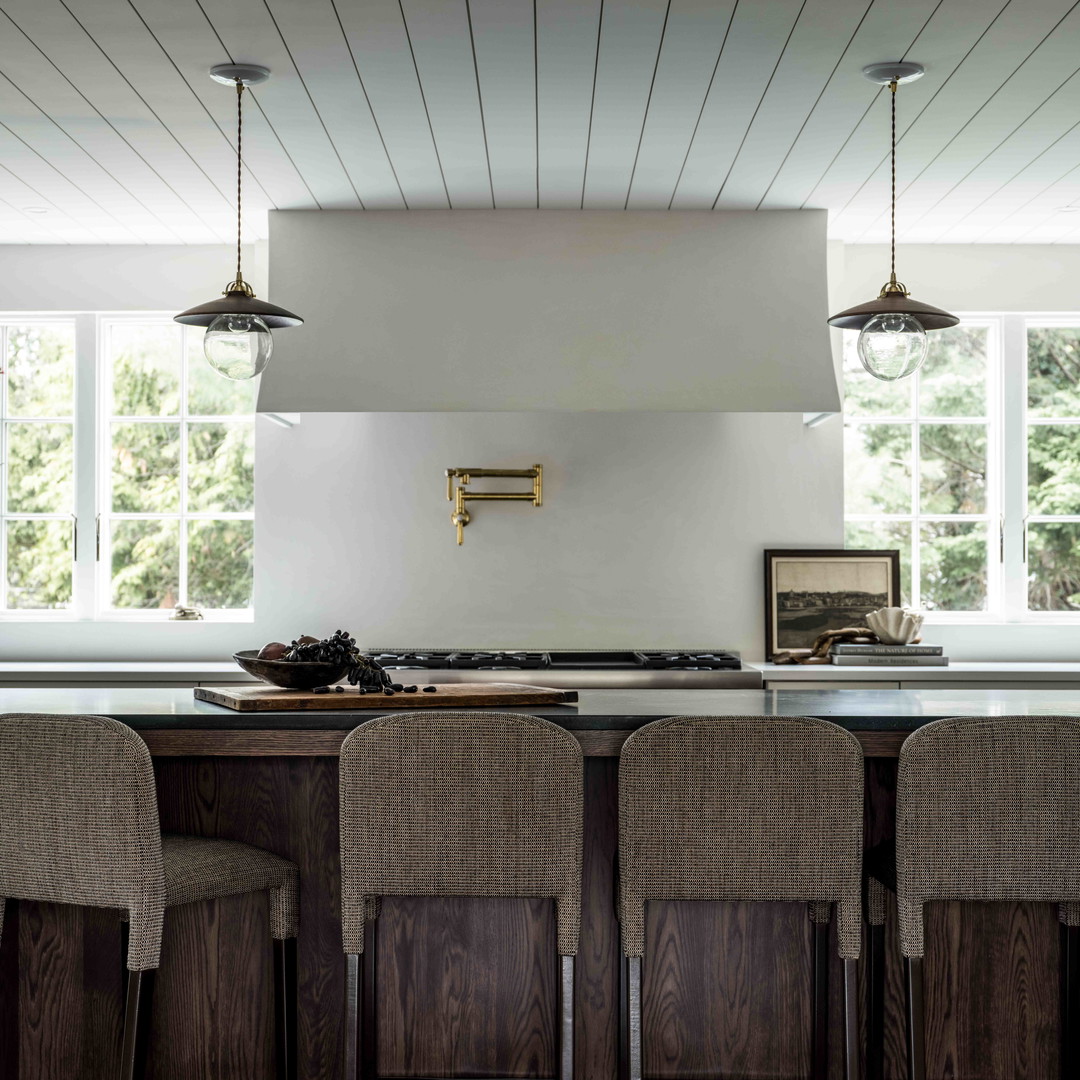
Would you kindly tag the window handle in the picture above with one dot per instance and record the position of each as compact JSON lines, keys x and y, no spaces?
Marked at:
{"x":74,"y":536}
{"x":97,"y":538}
{"x":1001,"y":538}
{"x":1025,"y":539}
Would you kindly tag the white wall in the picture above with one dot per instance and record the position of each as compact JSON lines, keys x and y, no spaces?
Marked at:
{"x":565,"y":310}
{"x":653,"y":523}
{"x":651,"y":532}
{"x":970,"y":277}
{"x":119,"y":277}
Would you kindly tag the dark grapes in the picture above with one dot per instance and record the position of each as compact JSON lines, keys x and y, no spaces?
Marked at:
{"x":361,"y":671}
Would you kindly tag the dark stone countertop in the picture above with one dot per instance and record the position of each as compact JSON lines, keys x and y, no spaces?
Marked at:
{"x":597,"y":710}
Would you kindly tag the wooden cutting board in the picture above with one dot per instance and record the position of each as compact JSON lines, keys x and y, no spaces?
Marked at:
{"x":263,"y":698}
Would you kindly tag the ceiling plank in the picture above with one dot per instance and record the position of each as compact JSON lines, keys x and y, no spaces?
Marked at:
{"x":754,"y":46}
{"x":51,"y":104}
{"x":945,"y":195}
{"x":176,"y":76}
{"x":317,"y":46}
{"x":566,"y":36}
{"x":248,"y":32}
{"x":1032,"y":108}
{"x":818,"y":43}
{"x":113,"y":61}
{"x":963,"y":100}
{"x":631,"y":36}
{"x":506,"y":64}
{"x":376,"y":36}
{"x":441,"y":38}
{"x":888,"y":30}
{"x":696,"y":33}
{"x":953,"y":30}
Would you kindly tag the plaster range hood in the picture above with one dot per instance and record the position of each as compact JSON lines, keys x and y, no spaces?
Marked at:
{"x":523,"y":310}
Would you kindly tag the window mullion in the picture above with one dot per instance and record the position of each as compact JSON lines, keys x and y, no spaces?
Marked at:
{"x":85,"y":442}
{"x":1014,"y":463}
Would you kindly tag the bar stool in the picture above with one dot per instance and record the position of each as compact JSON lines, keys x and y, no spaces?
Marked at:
{"x":457,"y":804}
{"x":987,"y":809}
{"x":744,"y":808}
{"x":79,"y":825}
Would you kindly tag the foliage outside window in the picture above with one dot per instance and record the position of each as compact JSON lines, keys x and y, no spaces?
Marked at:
{"x":972,"y":469}
{"x":38,"y":396}
{"x":134,"y":438}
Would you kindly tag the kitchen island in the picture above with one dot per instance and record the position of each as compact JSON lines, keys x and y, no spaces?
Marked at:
{"x":468,"y":986}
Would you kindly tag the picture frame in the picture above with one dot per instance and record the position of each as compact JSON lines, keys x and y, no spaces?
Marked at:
{"x":809,"y":591}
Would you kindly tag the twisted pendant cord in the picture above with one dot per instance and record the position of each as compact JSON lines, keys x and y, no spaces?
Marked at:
{"x":239,"y":169}
{"x":892,"y":200}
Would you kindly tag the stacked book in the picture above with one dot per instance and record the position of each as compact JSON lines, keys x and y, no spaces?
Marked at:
{"x":889,"y":655}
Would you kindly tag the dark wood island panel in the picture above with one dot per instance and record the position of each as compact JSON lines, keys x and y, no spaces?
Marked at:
{"x":467,"y":987}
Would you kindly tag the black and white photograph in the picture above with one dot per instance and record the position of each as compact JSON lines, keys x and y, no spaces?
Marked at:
{"x":810,"y":592}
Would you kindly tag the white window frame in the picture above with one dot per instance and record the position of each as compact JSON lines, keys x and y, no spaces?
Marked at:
{"x":91,"y":585}
{"x":1006,"y":513}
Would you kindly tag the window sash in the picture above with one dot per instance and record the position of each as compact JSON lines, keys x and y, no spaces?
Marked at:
{"x":1006,"y":518}
{"x":991,"y":516}
{"x":91,"y":517}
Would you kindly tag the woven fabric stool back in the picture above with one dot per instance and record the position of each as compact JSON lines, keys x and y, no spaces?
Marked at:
{"x":79,"y":821}
{"x":988,"y":809}
{"x":740,"y":808}
{"x":458,"y":804}
{"x":744,"y":808}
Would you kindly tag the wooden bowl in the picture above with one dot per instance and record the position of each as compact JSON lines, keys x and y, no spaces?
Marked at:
{"x":290,"y":674}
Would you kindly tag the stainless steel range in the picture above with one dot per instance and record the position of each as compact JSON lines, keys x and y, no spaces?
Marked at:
{"x":565,"y":669}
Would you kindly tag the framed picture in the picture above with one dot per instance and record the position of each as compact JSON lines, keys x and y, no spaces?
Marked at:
{"x":809,"y":592}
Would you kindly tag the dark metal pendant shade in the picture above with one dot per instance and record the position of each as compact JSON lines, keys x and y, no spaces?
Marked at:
{"x":236,"y":302}
{"x":855,"y":318}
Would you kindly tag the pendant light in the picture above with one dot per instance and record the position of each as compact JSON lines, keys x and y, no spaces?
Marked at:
{"x":238,"y":343}
{"x":892,"y":339}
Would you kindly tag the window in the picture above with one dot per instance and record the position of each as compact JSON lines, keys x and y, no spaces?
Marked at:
{"x":129,"y":471}
{"x":972,"y":469}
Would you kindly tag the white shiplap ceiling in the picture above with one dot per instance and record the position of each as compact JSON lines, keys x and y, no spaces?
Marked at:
{"x":110,"y":124}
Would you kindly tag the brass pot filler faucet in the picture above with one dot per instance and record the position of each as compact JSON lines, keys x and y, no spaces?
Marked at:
{"x":460,"y":495}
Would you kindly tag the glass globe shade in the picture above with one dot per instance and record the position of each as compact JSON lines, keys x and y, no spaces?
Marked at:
{"x":238,"y":346}
{"x":892,"y":346}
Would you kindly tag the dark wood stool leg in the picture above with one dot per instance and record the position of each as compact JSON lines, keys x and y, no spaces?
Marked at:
{"x":125,"y":934}
{"x":852,"y":1042}
{"x":821,"y":1001}
{"x":875,"y":1020}
{"x":352,"y":1016}
{"x":285,"y":1007}
{"x":916,"y":1041}
{"x":1070,"y":1000}
{"x":140,"y":994}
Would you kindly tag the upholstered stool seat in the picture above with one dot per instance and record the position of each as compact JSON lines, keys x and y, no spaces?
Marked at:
{"x":79,"y":825}
{"x":198,"y":868}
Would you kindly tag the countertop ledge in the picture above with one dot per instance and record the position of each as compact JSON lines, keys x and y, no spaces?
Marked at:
{"x":966,"y":670}
{"x":148,"y":708}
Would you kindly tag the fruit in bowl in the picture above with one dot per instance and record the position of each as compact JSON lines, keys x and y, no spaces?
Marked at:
{"x":308,"y":662}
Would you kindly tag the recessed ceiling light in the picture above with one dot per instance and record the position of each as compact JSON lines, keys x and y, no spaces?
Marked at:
{"x":35,"y":209}
{"x":1067,"y":209}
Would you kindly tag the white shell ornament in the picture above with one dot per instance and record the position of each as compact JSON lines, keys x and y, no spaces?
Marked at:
{"x":895,"y":626}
